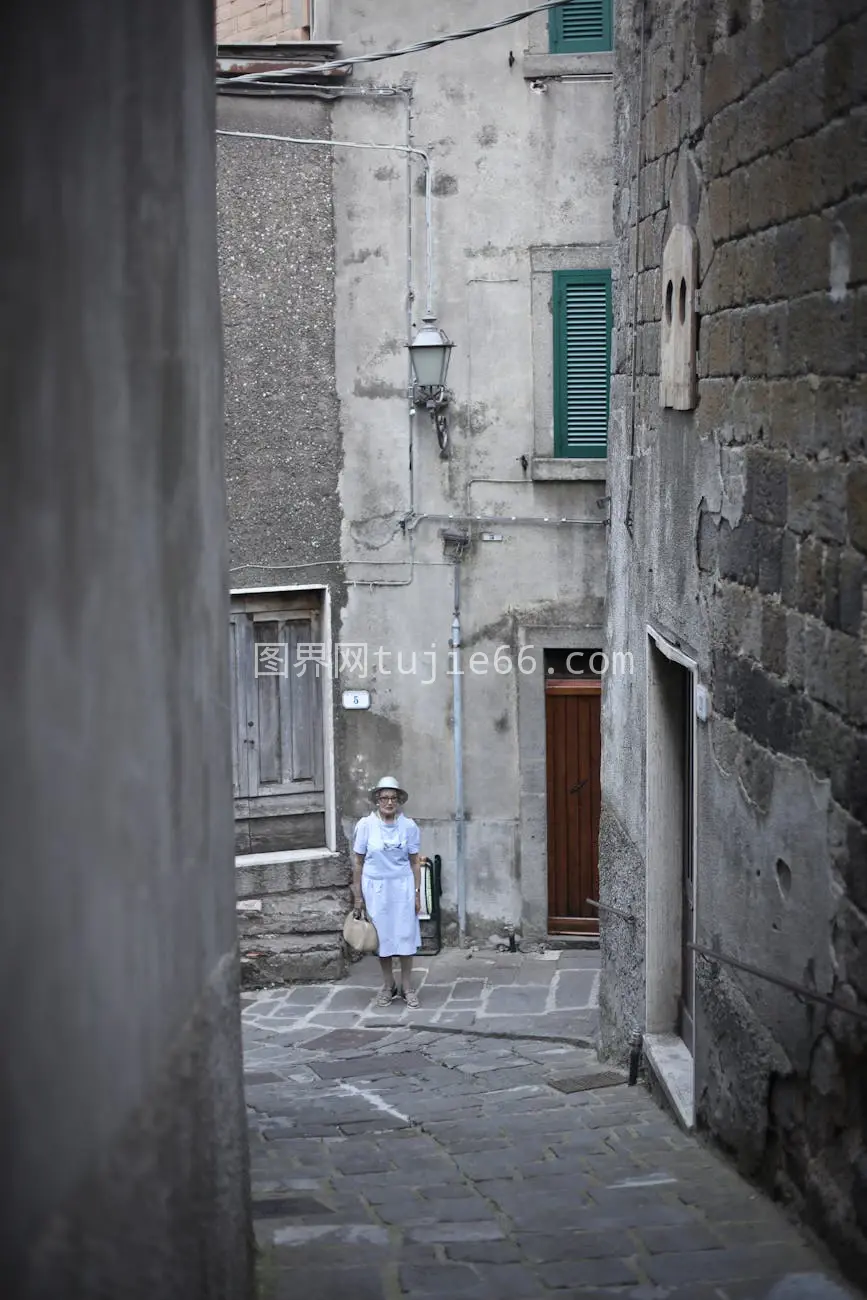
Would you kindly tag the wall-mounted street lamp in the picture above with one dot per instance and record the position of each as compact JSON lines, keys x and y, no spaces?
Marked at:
{"x":430,"y":352}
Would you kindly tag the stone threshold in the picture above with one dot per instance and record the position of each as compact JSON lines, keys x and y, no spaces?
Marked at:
{"x":565,"y":942}
{"x":288,"y":855}
{"x":669,"y":1061}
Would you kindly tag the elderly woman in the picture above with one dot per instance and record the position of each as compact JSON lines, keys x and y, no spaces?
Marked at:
{"x":387,"y":882}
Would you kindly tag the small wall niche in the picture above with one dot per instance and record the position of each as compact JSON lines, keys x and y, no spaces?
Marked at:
{"x":678,"y":340}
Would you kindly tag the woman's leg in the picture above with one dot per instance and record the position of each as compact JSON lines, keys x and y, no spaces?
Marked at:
{"x":409,"y":993}
{"x":387,"y":973}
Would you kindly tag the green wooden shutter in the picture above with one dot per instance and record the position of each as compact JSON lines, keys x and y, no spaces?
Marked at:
{"x":582,"y":362}
{"x":580,"y":27}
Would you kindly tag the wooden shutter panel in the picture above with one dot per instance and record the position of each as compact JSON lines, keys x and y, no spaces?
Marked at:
{"x":581,"y":27}
{"x":239,"y":660}
{"x":287,"y":757}
{"x":582,"y":362}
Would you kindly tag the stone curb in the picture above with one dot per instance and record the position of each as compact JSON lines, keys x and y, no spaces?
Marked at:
{"x":484,"y":1033}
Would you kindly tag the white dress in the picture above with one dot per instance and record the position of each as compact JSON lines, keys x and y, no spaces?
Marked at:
{"x":387,"y":882}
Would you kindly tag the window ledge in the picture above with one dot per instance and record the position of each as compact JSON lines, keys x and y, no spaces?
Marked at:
{"x":569,"y":469}
{"x":536,"y":67}
{"x":289,"y":855}
{"x":669,"y":1059}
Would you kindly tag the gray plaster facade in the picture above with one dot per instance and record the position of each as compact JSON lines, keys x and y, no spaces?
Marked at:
{"x":124,"y":1144}
{"x":328,"y":462}
{"x":737,"y":564}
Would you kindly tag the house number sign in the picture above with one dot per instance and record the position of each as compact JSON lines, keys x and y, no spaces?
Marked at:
{"x":356,"y":699}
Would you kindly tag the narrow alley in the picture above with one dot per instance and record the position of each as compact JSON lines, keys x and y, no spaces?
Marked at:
{"x":433,"y":502}
{"x":466,"y":1151}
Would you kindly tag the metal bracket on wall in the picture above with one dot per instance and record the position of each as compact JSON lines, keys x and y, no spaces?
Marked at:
{"x":616,"y":911}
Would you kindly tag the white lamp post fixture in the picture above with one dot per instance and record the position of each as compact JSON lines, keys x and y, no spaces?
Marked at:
{"x":430,"y":352}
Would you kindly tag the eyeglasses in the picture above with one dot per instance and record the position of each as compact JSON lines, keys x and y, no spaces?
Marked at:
{"x":390,"y":798}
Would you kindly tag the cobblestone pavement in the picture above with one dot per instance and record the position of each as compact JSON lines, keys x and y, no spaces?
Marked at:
{"x":553,"y":993}
{"x":389,"y":1160}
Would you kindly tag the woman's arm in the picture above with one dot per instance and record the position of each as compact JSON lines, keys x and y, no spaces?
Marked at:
{"x":357,"y":868}
{"x":415,"y":863}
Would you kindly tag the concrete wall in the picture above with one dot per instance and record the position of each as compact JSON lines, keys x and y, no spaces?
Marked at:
{"x":521,"y":187}
{"x":747,"y":552}
{"x":124,"y":1151}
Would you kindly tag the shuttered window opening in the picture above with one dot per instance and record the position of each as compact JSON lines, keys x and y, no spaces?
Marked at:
{"x":277,"y":732}
{"x":582,"y":362}
{"x":581,"y":27}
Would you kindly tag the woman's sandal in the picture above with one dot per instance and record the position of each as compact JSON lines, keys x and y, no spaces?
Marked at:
{"x":384,"y":998}
{"x":410,"y":997}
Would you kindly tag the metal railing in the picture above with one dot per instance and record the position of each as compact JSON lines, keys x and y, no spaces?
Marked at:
{"x":712,"y":954}
{"x":811,"y":995}
{"x":607,"y":907}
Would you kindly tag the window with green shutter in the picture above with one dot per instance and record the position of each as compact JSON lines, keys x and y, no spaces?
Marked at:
{"x":582,"y":362}
{"x":581,"y":27}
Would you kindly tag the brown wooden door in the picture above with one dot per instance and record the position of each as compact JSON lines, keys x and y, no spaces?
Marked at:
{"x":572,"y":719}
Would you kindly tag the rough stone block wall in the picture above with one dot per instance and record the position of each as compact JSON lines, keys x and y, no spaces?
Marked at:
{"x":290,"y":917}
{"x":755,"y":133}
{"x":241,"y":21}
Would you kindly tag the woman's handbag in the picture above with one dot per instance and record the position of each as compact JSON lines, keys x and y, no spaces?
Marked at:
{"x":360,"y":933}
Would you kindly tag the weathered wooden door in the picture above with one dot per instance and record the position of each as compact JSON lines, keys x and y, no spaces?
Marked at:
{"x":277,"y":750}
{"x":572,"y":711}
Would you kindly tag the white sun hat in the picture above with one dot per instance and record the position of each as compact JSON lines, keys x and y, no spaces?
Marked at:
{"x":389,"y":783}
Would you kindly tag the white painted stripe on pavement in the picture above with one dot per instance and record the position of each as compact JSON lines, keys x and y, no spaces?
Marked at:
{"x":374,"y":1100}
{"x":653,"y":1180}
{"x":351,"y":1233}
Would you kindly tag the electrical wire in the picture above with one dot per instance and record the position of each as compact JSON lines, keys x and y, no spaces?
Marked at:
{"x":285,"y":73}
{"x":316,"y":564}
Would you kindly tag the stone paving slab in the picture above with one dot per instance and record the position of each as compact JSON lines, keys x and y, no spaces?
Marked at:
{"x":470,"y":1176}
{"x":553,"y":994}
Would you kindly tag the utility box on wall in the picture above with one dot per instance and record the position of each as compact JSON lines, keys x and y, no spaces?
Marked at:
{"x":677,"y":388}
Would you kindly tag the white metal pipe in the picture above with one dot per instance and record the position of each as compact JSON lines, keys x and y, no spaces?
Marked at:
{"x":320,"y":19}
{"x":458,"y":742}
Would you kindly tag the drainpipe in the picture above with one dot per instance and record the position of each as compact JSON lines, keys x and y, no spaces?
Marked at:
{"x":458,"y":738}
{"x":319,"y":21}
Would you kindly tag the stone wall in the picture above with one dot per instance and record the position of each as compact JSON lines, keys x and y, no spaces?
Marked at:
{"x":291,"y":916}
{"x":740,"y":529}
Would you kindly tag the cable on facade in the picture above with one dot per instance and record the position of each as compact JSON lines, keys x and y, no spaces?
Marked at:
{"x":309,"y":90}
{"x":316,"y":564}
{"x":274,"y":77}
